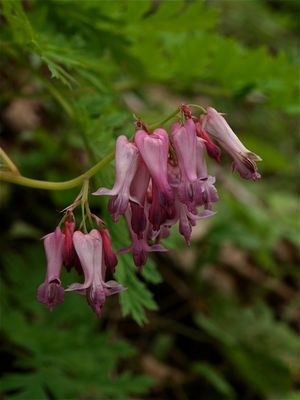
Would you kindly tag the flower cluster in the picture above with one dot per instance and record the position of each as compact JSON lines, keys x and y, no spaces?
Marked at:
{"x":90,"y":253}
{"x":162,"y":178}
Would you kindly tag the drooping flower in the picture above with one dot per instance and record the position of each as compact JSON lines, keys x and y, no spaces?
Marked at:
{"x":126,"y":160}
{"x":163,"y":232}
{"x":139,"y":246}
{"x":243,"y":159}
{"x":138,"y":190}
{"x":208,"y":191}
{"x":50,"y":291}
{"x":184,"y":142}
{"x":69,"y":251}
{"x":187,"y":220}
{"x":212,"y":149}
{"x":90,"y":252}
{"x":110,"y":257}
{"x":154,"y":149}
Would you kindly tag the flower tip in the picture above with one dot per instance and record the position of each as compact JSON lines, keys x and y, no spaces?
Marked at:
{"x":256,"y":176}
{"x":102,"y":192}
{"x":252,"y":156}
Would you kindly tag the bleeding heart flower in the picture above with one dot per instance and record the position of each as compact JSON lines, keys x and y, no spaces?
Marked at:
{"x":50,"y":291}
{"x":90,"y":252}
{"x":243,"y":159}
{"x":126,"y":166}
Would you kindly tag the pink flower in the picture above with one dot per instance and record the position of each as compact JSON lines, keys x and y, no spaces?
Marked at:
{"x":184,"y":141}
{"x":243,"y":159}
{"x":187,"y":220}
{"x":208,"y":191}
{"x":69,"y":251}
{"x":154,"y":149}
{"x":195,"y":187}
{"x":126,"y":165}
{"x":158,"y":213}
{"x":138,"y":190}
{"x":213,"y":150}
{"x":163,"y":233}
{"x":173,"y":175}
{"x":110,"y":258}
{"x":90,"y":252}
{"x":50,"y":291}
{"x":139,"y":247}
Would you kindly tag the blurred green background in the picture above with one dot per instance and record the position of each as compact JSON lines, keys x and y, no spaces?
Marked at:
{"x":218,"y":320}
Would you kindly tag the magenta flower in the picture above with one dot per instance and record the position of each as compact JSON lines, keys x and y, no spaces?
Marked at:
{"x":243,"y":159}
{"x":163,"y":233}
{"x":50,"y":291}
{"x":192,"y":189}
{"x":69,"y":251}
{"x":212,"y":149}
{"x":90,"y":252}
{"x":158,"y":213}
{"x":138,"y":190}
{"x":187,"y":220}
{"x":110,"y":257}
{"x":173,"y":175}
{"x":139,"y":247}
{"x":126,"y":165}
{"x":154,"y":149}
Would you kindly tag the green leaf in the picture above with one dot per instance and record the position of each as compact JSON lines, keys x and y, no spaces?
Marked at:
{"x":21,"y":28}
{"x":150,"y":272}
{"x":137,"y":298}
{"x":248,"y":336}
{"x":215,"y":378}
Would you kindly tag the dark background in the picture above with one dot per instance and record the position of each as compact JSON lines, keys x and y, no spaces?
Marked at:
{"x":218,"y":320}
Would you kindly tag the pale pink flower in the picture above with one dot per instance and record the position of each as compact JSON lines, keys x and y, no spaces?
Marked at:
{"x":192,"y":188}
{"x":243,"y":159}
{"x":90,"y":252}
{"x":208,"y":192}
{"x":184,"y":141}
{"x":50,"y":291}
{"x":154,"y":149}
{"x":126,"y":160}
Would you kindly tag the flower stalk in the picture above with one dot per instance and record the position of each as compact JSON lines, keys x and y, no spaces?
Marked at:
{"x":48,"y":185}
{"x":14,"y":176}
{"x":8,"y":162}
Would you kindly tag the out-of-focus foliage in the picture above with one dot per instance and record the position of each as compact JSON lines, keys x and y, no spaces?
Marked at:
{"x":63,"y":354}
{"x":224,"y":316}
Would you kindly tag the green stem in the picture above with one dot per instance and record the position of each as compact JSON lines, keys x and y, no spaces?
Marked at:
{"x":14,"y":177}
{"x":84,"y":200}
{"x":170,"y":116}
{"x":199,"y":107}
{"x":13,"y":168}
{"x":46,"y":185}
